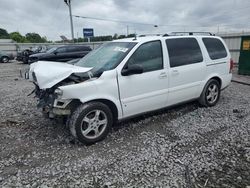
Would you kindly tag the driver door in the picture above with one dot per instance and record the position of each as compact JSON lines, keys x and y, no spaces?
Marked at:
{"x":146,"y":91}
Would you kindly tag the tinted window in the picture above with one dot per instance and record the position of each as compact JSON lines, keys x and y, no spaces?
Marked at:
{"x":149,"y":56}
{"x":183,"y":51}
{"x":215,"y":48}
{"x":78,"y":48}
{"x":61,"y":50}
{"x":72,"y":49}
{"x":84,"y":48}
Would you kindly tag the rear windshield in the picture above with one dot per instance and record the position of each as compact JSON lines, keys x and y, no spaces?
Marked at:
{"x":215,"y":48}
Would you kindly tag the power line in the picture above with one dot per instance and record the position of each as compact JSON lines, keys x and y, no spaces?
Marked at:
{"x":114,"y":20}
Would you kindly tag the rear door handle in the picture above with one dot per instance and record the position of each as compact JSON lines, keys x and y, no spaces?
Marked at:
{"x":163,"y":75}
{"x":175,"y":72}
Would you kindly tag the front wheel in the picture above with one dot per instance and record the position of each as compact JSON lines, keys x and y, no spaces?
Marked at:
{"x":90,"y":122}
{"x":211,"y":93}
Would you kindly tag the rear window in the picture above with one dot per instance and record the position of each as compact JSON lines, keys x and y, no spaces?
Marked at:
{"x":183,"y":51}
{"x":215,"y":48}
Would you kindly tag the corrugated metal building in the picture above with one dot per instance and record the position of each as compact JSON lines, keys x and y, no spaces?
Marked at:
{"x":233,"y":41}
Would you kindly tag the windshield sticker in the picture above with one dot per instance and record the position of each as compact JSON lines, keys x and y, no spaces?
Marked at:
{"x":120,"y":49}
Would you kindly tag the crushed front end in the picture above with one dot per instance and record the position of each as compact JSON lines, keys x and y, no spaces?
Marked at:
{"x":49,"y":102}
{"x":47,"y":85}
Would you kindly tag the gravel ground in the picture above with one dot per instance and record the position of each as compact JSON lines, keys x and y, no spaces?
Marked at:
{"x":186,"y":146}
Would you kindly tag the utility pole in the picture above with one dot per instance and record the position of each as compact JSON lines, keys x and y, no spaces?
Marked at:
{"x":68,"y":3}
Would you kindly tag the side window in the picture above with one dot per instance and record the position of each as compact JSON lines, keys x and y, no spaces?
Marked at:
{"x":215,"y":48}
{"x":149,"y":56}
{"x":61,"y":50}
{"x":84,"y":48}
{"x":70,"y":49}
{"x":183,"y":51}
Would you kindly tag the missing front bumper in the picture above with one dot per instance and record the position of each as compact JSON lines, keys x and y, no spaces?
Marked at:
{"x":61,"y":112}
{"x":52,"y":113}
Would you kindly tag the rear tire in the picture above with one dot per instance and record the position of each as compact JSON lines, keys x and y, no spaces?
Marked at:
{"x":90,"y":122}
{"x":210,"y":94}
{"x":5,"y":59}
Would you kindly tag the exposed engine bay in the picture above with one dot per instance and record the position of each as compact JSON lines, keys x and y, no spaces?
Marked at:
{"x":47,"y":96}
{"x":47,"y":82}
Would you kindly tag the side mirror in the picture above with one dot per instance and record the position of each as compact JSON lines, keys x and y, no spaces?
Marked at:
{"x":132,"y":69}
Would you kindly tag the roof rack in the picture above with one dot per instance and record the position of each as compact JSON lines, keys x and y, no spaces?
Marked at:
{"x":188,"y":33}
{"x":144,"y":35}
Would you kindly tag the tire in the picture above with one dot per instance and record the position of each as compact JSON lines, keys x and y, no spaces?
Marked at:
{"x":5,"y":59}
{"x":90,"y":122}
{"x":25,"y":60}
{"x":210,"y":94}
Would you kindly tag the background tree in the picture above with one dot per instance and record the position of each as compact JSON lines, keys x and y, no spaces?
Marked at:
{"x":121,"y":36}
{"x":115,"y":36}
{"x":4,"y":34}
{"x":16,"y":36}
{"x":35,"y":38}
{"x":130,"y":35}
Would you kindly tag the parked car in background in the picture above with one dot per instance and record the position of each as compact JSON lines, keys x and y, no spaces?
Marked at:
{"x":5,"y":58}
{"x":128,"y":77}
{"x":23,"y":56}
{"x":61,"y":54}
{"x":73,"y":61}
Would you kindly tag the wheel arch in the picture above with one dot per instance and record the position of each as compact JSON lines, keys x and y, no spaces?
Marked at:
{"x":210,"y":77}
{"x":113,"y":107}
{"x":217,"y":78}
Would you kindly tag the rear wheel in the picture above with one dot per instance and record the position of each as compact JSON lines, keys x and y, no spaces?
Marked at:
{"x":5,"y":59}
{"x":210,"y":94}
{"x":91,"y":122}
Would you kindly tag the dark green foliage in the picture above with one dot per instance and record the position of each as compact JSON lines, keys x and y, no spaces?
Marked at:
{"x":4,"y":34}
{"x":35,"y":38}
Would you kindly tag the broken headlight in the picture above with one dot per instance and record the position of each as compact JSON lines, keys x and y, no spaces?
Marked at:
{"x":58,"y":92}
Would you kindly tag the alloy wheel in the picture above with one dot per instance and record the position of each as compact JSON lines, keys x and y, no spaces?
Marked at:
{"x":94,"y":124}
{"x":212,"y":93}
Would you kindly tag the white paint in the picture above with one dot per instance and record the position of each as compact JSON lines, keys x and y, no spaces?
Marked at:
{"x":139,"y":93}
{"x":50,"y":73}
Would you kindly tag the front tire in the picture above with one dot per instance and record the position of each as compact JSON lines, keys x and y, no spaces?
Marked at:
{"x":90,"y":122}
{"x":210,"y":94}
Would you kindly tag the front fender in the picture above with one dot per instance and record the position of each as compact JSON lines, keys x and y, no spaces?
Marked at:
{"x":104,"y":87}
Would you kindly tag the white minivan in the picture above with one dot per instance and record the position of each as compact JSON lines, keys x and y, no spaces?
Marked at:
{"x":131,"y":76}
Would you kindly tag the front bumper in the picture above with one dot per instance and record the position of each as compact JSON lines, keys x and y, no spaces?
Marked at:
{"x":59,"y":108}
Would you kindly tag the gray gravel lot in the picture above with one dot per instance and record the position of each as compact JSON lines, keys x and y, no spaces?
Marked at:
{"x":185,"y":146}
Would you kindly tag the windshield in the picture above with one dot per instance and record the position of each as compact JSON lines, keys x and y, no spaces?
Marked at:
{"x":106,"y":57}
{"x":52,"y":50}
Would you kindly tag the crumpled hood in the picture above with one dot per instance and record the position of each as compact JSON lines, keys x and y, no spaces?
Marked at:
{"x":48,"y":73}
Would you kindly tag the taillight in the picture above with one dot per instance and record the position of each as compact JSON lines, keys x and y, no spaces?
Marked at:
{"x":231,"y":65}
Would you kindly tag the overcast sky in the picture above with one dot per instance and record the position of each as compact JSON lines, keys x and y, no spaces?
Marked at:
{"x":51,"y":17}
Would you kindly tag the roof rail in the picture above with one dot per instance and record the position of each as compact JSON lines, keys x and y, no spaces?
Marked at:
{"x":189,"y":33}
{"x":144,"y":35}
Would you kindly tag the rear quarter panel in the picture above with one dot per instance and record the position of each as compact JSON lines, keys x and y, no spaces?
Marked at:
{"x":216,"y":68}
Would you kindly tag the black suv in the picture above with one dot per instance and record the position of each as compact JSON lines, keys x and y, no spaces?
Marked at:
{"x":61,"y":54}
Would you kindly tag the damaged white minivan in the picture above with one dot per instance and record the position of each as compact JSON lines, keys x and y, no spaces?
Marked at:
{"x":128,"y":77}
